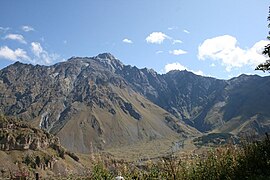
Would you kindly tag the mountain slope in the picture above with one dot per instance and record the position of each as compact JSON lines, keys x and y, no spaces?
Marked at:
{"x":101,"y":102}
{"x":247,"y":105}
{"x":235,"y":105}
{"x":85,"y":103}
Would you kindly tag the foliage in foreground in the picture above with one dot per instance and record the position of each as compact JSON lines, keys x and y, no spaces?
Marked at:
{"x":250,"y":161}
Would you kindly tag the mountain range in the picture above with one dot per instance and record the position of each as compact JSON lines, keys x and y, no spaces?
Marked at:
{"x":98,"y":102}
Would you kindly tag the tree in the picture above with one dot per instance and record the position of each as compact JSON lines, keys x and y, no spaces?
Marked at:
{"x":266,"y":65}
{"x":38,"y":161}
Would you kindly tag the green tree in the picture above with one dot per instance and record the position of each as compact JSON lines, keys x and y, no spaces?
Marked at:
{"x":266,"y":65}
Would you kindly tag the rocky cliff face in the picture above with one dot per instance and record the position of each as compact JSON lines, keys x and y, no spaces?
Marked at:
{"x":17,"y":135}
{"x":208,"y":104}
{"x":102,"y":102}
{"x":187,"y":96}
{"x":26,"y":150}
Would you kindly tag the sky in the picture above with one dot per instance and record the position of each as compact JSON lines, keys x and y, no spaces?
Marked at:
{"x":221,"y":39}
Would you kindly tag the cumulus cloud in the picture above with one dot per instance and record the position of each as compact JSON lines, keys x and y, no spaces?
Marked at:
{"x":158,"y":52}
{"x":225,"y":49}
{"x":174,"y":66}
{"x":13,"y":55}
{"x":176,"y":41}
{"x":177,"y":52}
{"x":16,"y":37}
{"x":180,"y":67}
{"x":127,"y":41}
{"x":41,"y":55}
{"x":156,"y":38}
{"x":186,"y":31}
{"x":27,"y":28}
{"x":199,"y":72}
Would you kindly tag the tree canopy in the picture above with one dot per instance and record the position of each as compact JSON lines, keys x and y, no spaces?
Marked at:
{"x":266,"y":65}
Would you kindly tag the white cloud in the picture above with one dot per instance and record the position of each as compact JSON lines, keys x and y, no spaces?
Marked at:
{"x":199,"y":72}
{"x":172,"y":28}
{"x":186,"y":31}
{"x":180,"y":67}
{"x":36,"y":48}
{"x":27,"y":28}
{"x":42,"y":56}
{"x":225,"y":49}
{"x":13,"y":55}
{"x":175,"y":41}
{"x":158,"y":52}
{"x":177,"y":52}
{"x":127,"y":41}
{"x":16,"y":37}
{"x":4,"y":29}
{"x":156,"y":38}
{"x":174,"y":66}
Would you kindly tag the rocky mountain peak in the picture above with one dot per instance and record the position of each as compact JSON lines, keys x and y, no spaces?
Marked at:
{"x":180,"y":72}
{"x":104,"y":56}
{"x":109,"y":61}
{"x":104,"y":60}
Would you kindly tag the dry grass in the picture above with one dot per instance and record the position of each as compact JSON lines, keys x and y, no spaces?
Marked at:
{"x":248,"y":161}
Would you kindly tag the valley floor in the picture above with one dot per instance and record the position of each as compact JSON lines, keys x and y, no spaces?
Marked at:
{"x":148,"y":149}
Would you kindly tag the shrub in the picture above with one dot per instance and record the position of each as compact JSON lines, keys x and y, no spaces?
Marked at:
{"x":100,"y":172}
{"x":254,"y":159}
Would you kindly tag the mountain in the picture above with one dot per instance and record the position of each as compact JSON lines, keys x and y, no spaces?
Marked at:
{"x":100,"y":102}
{"x":188,"y":96}
{"x":85,"y":103}
{"x":246,"y":105}
{"x":237,"y":105}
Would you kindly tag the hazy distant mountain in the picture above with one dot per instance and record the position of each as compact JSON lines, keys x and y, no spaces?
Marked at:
{"x":102,"y":102}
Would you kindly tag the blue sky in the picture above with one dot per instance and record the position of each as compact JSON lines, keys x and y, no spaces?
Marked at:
{"x":213,"y":38}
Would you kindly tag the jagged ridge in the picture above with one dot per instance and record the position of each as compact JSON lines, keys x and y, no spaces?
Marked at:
{"x":85,"y":101}
{"x":101,"y":94}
